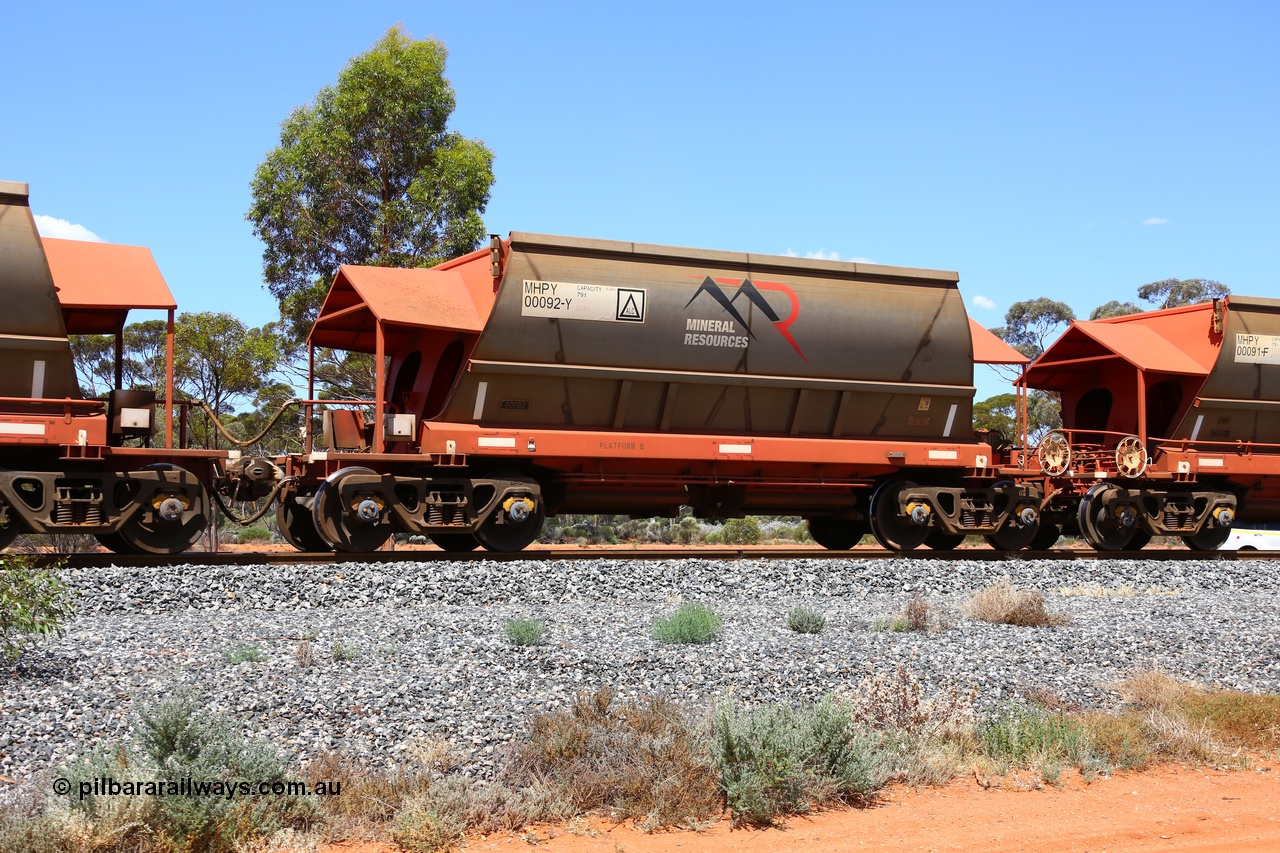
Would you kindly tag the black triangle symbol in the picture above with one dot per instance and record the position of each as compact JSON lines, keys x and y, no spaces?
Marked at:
{"x":630,"y":309}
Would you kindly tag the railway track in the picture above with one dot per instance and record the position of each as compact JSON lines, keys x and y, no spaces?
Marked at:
{"x":285,"y":558}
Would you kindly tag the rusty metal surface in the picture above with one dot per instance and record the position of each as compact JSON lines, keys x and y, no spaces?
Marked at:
{"x":440,"y":298}
{"x":748,"y":332}
{"x":988,"y":349}
{"x":33,"y":339}
{"x":97,"y":283}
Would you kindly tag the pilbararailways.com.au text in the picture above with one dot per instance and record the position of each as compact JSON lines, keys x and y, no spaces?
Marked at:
{"x":108,"y":786}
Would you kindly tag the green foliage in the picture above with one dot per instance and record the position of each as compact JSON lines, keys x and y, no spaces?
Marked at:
{"x":175,"y":741}
{"x":805,"y":620}
{"x":344,"y":651}
{"x":776,"y":760}
{"x":1172,"y":292}
{"x":998,"y":413}
{"x":249,"y":535}
{"x":525,"y":632}
{"x":369,"y":174}
{"x":243,"y":653}
{"x":220,"y":360}
{"x":741,"y":531}
{"x":34,"y":603}
{"x":1114,"y":308}
{"x":1031,"y":736}
{"x":1032,"y":324}
{"x":691,"y":623}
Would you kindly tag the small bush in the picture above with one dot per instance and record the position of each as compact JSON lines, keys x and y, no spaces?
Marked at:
{"x":896,"y":703}
{"x":642,"y":759}
{"x":741,"y":531}
{"x":305,"y":654}
{"x":243,"y":653}
{"x":525,"y":632}
{"x":916,"y":613}
{"x":804,"y":620}
{"x":34,"y":603}
{"x":691,"y":623}
{"x":1029,"y":737}
{"x":253,"y":535}
{"x":1003,"y":603}
{"x":175,"y":741}
{"x":344,"y":651}
{"x":775,"y":761}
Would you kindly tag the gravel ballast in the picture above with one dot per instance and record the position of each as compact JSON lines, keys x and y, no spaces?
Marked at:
{"x":432,"y":660}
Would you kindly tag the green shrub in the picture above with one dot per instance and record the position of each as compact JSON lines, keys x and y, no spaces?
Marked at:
{"x":775,"y":760}
{"x":342,"y":651}
{"x":525,"y":632}
{"x":804,"y":620}
{"x":741,"y":531}
{"x":175,"y":741}
{"x":1031,"y":737}
{"x":243,"y":653}
{"x":250,"y":535}
{"x":691,"y":623}
{"x":34,"y":603}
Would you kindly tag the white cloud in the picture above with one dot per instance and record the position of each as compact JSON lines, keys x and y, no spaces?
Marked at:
{"x":51,"y":226}
{"x":823,"y":255}
{"x":983,"y":302}
{"x":1155,"y":220}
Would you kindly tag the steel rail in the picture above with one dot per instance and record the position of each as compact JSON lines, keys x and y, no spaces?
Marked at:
{"x":287,"y":558}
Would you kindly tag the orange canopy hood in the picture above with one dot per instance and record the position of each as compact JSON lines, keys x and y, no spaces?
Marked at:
{"x":98,"y":283}
{"x":989,"y":349}
{"x":457,"y":295}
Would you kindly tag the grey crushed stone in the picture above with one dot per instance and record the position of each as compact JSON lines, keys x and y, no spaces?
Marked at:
{"x":434,"y":662}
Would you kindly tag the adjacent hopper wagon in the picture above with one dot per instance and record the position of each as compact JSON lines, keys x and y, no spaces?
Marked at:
{"x":1171,"y":424}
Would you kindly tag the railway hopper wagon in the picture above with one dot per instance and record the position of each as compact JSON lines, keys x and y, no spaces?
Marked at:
{"x":75,"y":465}
{"x":1171,"y":424}
{"x":550,"y":375}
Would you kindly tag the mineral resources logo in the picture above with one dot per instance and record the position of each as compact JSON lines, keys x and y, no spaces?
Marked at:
{"x":727,"y":333}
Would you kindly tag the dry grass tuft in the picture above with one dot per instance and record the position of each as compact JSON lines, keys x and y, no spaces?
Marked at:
{"x":916,"y":613}
{"x":1003,"y":603}
{"x":642,"y":759}
{"x":1204,"y":724}
{"x":1151,"y":689}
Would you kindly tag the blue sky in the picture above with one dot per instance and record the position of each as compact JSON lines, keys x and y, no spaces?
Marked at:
{"x":1074,"y":151}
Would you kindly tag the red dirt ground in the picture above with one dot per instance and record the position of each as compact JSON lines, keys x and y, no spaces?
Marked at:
{"x":1169,"y":809}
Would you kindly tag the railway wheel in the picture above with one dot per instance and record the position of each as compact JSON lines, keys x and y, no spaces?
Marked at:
{"x":455,"y":541}
{"x":891,"y":529}
{"x":1014,"y":536}
{"x":837,"y":534}
{"x":172,"y":523}
{"x":357,"y":529}
{"x":1046,"y":537}
{"x":515,"y":523}
{"x":1208,"y":539}
{"x":298,"y":526}
{"x":939,"y":541}
{"x":1100,"y":528}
